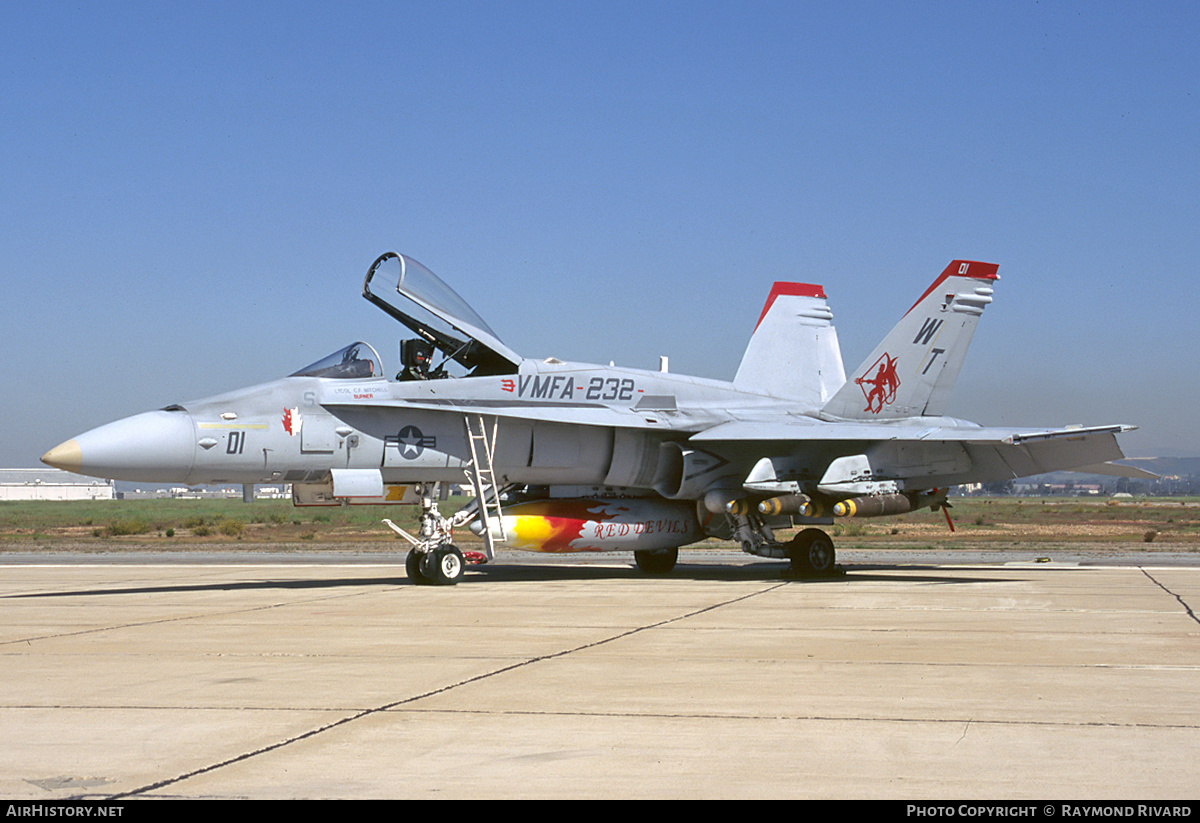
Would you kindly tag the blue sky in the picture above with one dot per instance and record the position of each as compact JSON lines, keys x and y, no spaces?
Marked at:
{"x":191,"y":193}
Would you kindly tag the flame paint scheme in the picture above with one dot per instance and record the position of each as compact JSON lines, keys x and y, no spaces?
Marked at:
{"x":578,"y":457}
{"x":601,"y":525}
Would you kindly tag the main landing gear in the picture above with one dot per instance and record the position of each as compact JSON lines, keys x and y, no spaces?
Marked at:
{"x":812,"y":554}
{"x":656,"y":561}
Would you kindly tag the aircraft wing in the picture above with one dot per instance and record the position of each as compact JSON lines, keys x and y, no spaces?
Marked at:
{"x":942,"y":454}
{"x":812,"y":429}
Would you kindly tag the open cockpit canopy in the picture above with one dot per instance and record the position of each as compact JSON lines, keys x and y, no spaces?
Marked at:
{"x":412,"y":294}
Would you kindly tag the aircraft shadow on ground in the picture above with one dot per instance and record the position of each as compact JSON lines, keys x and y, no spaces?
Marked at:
{"x":537,"y":573}
{"x":761,"y":572}
{"x":247,"y":585}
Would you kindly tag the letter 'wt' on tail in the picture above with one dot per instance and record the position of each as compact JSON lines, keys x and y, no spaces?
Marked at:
{"x":911,"y":373}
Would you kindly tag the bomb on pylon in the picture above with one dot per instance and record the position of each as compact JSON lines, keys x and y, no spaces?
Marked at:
{"x":784,"y":504}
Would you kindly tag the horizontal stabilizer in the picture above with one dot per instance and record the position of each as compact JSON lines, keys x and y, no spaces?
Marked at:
{"x":1116,"y":470}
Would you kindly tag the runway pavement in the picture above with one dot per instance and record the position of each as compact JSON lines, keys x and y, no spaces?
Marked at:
{"x":554,"y":678}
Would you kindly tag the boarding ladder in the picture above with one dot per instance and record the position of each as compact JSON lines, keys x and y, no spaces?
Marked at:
{"x":483,"y":479}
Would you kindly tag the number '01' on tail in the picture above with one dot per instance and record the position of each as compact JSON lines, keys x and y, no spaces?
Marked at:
{"x":911,"y":373}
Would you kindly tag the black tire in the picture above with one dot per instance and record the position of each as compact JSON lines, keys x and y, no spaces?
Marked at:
{"x":658,"y":561}
{"x":444,"y":567}
{"x":412,"y":565}
{"x":812,"y":552}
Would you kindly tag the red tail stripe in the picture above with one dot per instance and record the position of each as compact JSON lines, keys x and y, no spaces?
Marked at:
{"x":975,"y":269}
{"x":789,"y":289}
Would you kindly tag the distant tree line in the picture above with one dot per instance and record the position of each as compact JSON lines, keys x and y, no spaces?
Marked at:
{"x":1174,"y":486}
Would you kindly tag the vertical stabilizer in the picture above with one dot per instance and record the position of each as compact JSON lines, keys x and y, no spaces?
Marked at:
{"x":912,"y":372}
{"x":794,"y":350}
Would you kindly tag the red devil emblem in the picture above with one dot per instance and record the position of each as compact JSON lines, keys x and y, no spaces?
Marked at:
{"x":883,"y":385}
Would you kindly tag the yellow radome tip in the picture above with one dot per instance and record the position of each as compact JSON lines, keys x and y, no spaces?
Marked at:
{"x":66,"y":456}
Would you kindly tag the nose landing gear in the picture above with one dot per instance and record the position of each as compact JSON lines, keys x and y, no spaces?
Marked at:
{"x":433,"y":560}
{"x":441,"y":567}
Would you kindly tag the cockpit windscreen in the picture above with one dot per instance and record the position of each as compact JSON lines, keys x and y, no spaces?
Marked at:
{"x":358,"y":361}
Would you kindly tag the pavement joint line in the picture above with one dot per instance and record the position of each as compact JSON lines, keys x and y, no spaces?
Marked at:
{"x":829,"y":718}
{"x":1133,"y":715}
{"x":1182,"y":602}
{"x":160,"y":621}
{"x":433,"y":692}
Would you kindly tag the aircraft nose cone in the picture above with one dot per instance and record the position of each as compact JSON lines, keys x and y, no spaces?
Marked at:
{"x":65,"y":456}
{"x":153,"y":447}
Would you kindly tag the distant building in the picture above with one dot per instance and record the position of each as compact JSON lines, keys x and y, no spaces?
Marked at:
{"x":52,"y":484}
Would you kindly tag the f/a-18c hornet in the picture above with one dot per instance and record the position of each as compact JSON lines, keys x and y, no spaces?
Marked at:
{"x":569,"y":457}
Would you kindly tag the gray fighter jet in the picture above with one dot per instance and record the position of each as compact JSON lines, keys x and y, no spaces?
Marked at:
{"x":566,"y":457}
